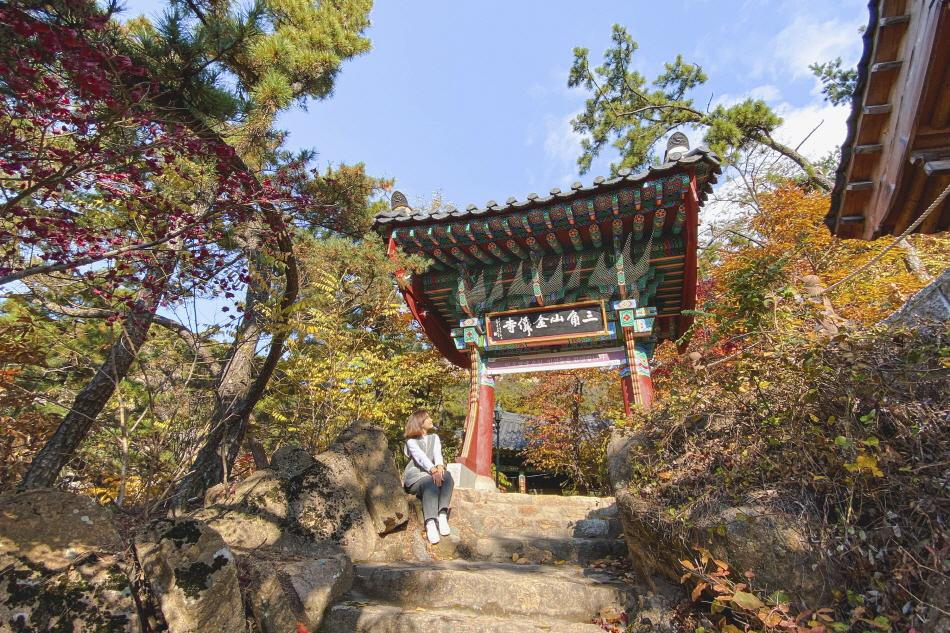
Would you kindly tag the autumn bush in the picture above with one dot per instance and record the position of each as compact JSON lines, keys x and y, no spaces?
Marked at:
{"x":854,"y":430}
{"x":798,"y":395}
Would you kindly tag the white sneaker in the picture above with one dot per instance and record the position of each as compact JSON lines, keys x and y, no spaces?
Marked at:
{"x":432,"y":532}
{"x":444,"y":524}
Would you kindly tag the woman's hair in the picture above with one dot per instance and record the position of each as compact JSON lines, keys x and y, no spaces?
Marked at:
{"x":415,"y":422}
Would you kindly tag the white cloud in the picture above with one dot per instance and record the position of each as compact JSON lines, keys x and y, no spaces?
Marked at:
{"x":766,"y":92}
{"x":807,"y":40}
{"x":800,"y":122}
{"x":561,"y":142}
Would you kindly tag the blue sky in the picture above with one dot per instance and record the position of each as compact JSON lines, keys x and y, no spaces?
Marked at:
{"x":470,"y":99}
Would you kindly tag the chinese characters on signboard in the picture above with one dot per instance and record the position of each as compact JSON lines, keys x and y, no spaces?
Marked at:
{"x":586,"y":319}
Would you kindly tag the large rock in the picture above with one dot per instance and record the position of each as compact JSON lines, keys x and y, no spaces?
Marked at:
{"x":254,"y":514}
{"x":326,"y":501}
{"x":250,"y":514}
{"x":285,"y":593}
{"x":367,"y":448}
{"x":301,"y":505}
{"x":192,"y":574}
{"x":290,"y":461}
{"x":63,"y":565}
{"x":754,"y":535}
{"x":931,"y":304}
{"x":242,"y":529}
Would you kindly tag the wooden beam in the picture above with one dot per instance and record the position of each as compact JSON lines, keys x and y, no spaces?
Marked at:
{"x":894,"y":20}
{"x":882,"y":108}
{"x":881,"y":67}
{"x":936,"y":166}
{"x":929,"y":154}
{"x":918,"y":44}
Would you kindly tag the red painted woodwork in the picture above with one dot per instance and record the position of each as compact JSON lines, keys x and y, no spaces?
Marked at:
{"x":426,"y":315}
{"x":626,"y":385}
{"x":689,"y":272}
{"x":646,"y":391}
{"x":479,"y":454}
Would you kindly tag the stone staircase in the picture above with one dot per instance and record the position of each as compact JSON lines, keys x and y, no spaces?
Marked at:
{"x":514,"y":563}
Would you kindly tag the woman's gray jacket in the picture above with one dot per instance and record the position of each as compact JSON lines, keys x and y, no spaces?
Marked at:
{"x":424,"y":453}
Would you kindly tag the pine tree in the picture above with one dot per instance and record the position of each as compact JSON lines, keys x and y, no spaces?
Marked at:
{"x":637,"y":113}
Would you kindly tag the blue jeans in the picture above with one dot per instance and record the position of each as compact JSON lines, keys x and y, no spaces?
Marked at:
{"x":434,"y":498}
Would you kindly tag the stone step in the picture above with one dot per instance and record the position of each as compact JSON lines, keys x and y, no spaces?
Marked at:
{"x":543,"y":527}
{"x":553,"y":502}
{"x":581,"y":551}
{"x":534,"y":512}
{"x":493,"y":589}
{"x":355,"y":617}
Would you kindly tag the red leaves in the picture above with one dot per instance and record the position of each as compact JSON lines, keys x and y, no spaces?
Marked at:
{"x":87,"y":164}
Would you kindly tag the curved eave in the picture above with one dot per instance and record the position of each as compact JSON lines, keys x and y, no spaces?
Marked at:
{"x":386,"y":221}
{"x":434,"y":326}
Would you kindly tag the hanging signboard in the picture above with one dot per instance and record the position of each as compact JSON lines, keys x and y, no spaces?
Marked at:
{"x":613,"y":357}
{"x":546,"y":324}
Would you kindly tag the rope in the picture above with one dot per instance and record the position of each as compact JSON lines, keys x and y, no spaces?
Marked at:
{"x":910,"y":229}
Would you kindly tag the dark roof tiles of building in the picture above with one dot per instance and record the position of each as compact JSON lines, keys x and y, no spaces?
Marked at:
{"x":625,"y":176}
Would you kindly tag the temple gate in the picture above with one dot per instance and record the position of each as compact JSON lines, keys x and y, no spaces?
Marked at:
{"x":591,"y":277}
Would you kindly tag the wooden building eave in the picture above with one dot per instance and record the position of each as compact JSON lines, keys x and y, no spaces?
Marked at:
{"x":894,"y":160}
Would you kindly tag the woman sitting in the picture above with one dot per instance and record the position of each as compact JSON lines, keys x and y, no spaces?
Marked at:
{"x":425,"y":475}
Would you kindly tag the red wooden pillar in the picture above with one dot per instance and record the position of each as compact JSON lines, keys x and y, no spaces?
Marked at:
{"x":635,"y":378}
{"x":626,"y":385}
{"x":476,"y":456}
{"x":690,"y":271}
{"x":641,"y":378}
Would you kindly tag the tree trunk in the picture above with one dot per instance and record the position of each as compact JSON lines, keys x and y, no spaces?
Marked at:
{"x":60,"y":448}
{"x":238,"y":389}
{"x":258,"y":453}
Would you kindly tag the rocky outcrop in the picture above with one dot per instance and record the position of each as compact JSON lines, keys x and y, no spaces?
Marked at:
{"x":290,"y":461}
{"x":756,"y":535}
{"x":192,"y":574}
{"x":284,"y":593}
{"x":254,"y":514}
{"x":347,"y":495}
{"x":292,"y":529}
{"x":63,"y":566}
{"x":931,"y":304}
{"x":368,"y":451}
{"x":326,"y":503}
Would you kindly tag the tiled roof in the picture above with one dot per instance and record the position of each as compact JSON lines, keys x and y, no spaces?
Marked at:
{"x":511,"y":435}
{"x":700,"y":155}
